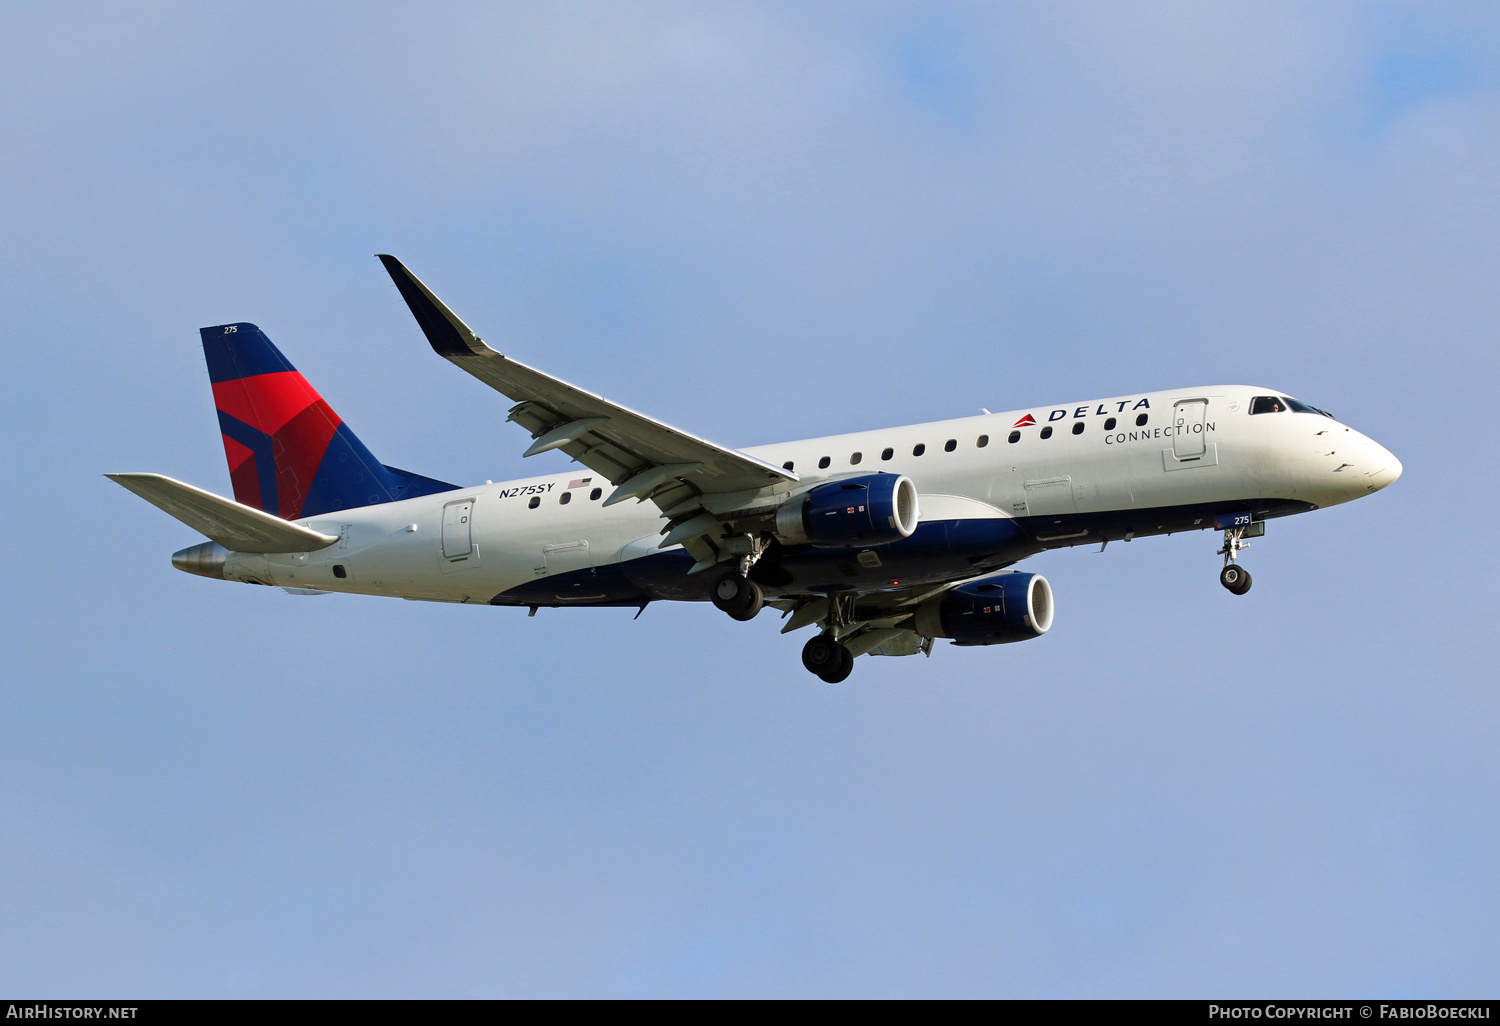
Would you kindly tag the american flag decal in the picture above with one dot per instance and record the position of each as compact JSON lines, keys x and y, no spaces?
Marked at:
{"x":581,"y":482}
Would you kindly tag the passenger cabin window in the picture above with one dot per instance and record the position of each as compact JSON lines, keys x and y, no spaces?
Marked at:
{"x":565,"y":498}
{"x":1078,"y":428}
{"x":1141,"y":420}
{"x":1047,"y":431}
{"x":886,"y":454}
{"x":981,"y":441}
{"x":1109,"y":425}
{"x":594,"y":495}
{"x":536,"y":500}
{"x":855,"y":457}
{"x":823,"y":463}
{"x":918,"y":449}
{"x":950,"y":445}
{"x":1015,"y":436}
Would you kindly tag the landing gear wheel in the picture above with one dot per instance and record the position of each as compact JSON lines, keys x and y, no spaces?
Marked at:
{"x":1236,"y":578}
{"x":738,"y":596}
{"x":824,"y":656}
{"x":846,"y":667}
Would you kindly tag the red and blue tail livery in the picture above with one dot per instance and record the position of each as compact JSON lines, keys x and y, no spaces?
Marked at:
{"x":289,"y":453}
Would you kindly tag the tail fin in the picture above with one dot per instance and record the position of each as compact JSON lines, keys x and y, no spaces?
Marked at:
{"x":289,"y":453}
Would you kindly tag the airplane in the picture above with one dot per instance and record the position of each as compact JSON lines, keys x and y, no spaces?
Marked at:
{"x":884,"y":540}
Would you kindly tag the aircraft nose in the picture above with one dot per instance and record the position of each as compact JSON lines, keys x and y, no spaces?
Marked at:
{"x":1385,"y":468}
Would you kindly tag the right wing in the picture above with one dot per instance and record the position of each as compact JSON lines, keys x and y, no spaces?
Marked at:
{"x":235,"y":526}
{"x":695,"y":482}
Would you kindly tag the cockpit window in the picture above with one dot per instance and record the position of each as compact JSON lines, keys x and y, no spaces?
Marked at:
{"x":1301,"y":407}
{"x":1267,"y":404}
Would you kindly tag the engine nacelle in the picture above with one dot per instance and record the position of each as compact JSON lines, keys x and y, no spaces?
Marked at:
{"x":870,"y":510}
{"x":1010,"y":606}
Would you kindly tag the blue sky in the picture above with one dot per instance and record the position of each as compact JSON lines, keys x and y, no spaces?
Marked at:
{"x":756,"y":221}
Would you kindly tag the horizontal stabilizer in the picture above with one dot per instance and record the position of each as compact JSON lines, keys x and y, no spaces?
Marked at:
{"x":235,"y":526}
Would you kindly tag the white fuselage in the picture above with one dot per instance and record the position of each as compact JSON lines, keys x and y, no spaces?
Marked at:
{"x":1197,"y":448}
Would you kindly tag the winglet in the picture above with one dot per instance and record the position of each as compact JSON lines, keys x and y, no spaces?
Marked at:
{"x":449,"y":335}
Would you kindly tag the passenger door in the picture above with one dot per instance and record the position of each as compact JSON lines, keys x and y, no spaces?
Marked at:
{"x":459,"y":552}
{"x":1188,"y":434}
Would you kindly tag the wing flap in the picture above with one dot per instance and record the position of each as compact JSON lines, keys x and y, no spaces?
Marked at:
{"x":235,"y":526}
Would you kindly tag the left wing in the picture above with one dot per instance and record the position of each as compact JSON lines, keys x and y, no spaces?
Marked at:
{"x":686,"y":476}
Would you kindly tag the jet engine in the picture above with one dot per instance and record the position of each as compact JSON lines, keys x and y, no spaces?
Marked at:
{"x":870,"y":510}
{"x":1010,"y":606}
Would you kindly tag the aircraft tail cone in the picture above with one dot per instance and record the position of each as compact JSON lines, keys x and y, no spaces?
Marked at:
{"x":205,"y":560}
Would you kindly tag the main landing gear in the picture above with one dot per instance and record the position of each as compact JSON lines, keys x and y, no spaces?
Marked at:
{"x":824,"y":654}
{"x":826,"y":657}
{"x":1234,"y":577}
{"x":738,"y":596}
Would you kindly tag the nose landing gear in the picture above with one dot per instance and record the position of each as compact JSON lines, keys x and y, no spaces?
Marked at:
{"x":1235,"y":577}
